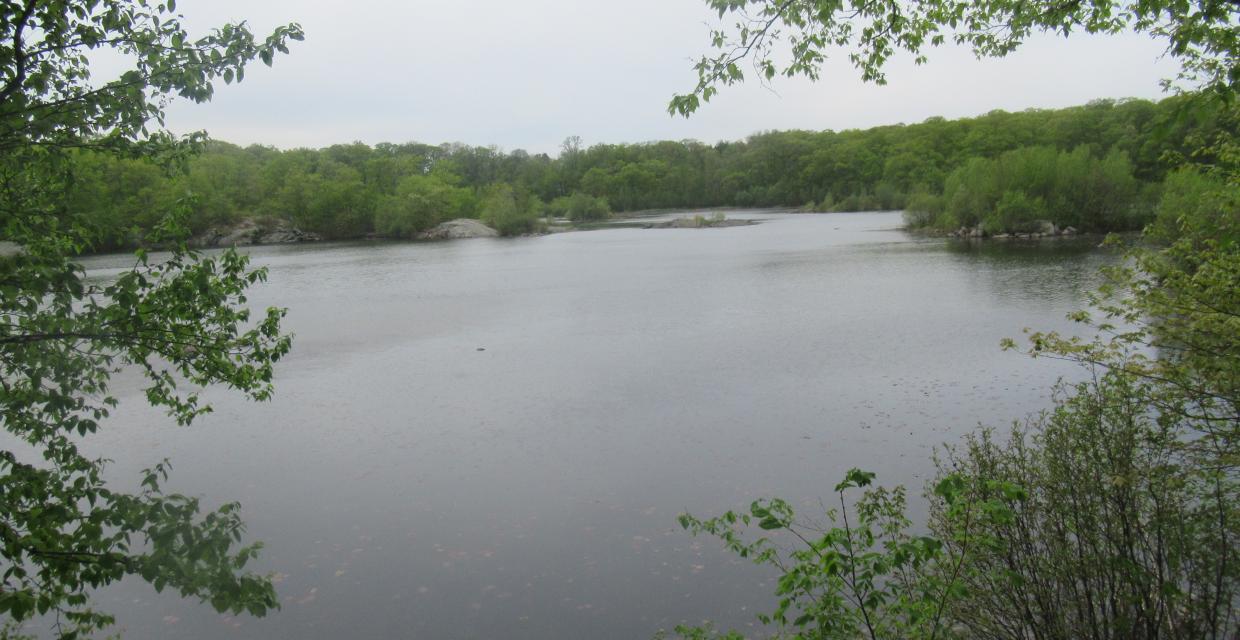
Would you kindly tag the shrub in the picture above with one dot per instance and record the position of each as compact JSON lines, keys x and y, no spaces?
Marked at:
{"x":923,"y":210}
{"x":420,"y":203}
{"x":503,"y":210}
{"x":868,"y":576}
{"x":581,"y":207}
{"x":1016,"y":212}
{"x":1117,"y":534}
{"x":1206,"y":204}
{"x":1006,"y":194}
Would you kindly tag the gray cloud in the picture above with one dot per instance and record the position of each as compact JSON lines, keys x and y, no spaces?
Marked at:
{"x":527,"y":74}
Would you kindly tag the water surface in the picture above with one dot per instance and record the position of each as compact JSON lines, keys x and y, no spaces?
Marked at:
{"x":492,"y":438}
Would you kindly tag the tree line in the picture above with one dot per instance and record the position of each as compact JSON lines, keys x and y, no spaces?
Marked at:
{"x":1098,"y":167}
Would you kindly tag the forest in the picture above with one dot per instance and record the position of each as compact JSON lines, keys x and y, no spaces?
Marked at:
{"x":1098,"y":167}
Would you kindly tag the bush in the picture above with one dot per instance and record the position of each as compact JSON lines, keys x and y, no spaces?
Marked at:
{"x":862,"y":201}
{"x":1015,"y":212}
{"x":504,"y":210}
{"x":580,"y":207}
{"x":1007,"y":194}
{"x":1117,"y":534}
{"x":922,"y":210}
{"x":866,"y":577}
{"x":887,"y":197}
{"x":1207,"y":205}
{"x":420,"y":202}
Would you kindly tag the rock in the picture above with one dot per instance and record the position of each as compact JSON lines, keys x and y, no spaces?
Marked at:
{"x":682,"y":223}
{"x":1045,"y":227}
{"x":287,"y":234}
{"x":699,"y":222}
{"x":243,"y":234}
{"x":459,"y":228}
{"x":250,"y":231}
{"x":976,"y":233}
{"x":1070,"y":231}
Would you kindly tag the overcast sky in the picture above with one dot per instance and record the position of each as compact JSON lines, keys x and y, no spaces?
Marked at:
{"x":526,"y":74}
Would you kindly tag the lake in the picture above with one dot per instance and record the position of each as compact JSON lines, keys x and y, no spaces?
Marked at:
{"x":493,"y":438}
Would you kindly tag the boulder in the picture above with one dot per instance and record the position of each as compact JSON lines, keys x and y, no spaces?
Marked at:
{"x":1045,"y":227}
{"x":287,"y":234}
{"x":250,"y":231}
{"x":1070,"y":231}
{"x":701,"y":222}
{"x":246,"y":232}
{"x":459,"y":228}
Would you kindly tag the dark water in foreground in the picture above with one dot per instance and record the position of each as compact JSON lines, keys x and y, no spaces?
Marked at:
{"x":493,"y":438}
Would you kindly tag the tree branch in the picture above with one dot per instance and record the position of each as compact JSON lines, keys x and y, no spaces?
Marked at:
{"x":19,"y":57}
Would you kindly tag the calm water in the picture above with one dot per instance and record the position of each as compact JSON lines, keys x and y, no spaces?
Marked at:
{"x":493,"y":438}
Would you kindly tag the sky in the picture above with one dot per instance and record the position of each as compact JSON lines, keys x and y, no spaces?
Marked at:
{"x":528,"y":74}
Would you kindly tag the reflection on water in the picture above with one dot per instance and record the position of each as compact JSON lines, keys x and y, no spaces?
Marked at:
{"x":493,"y":438}
{"x":1031,"y":271}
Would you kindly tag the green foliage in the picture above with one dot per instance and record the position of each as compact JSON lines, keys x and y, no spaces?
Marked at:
{"x":1132,"y":522}
{"x":1120,"y":533}
{"x":181,"y":323}
{"x":580,"y":207}
{"x":866,"y":575}
{"x":1016,"y":191}
{"x":506,"y":211}
{"x":1015,"y":211}
{"x":922,"y":209}
{"x":351,"y":190}
{"x":795,"y":38}
{"x":420,"y":202}
{"x":1198,"y":204}
{"x":1130,"y":528}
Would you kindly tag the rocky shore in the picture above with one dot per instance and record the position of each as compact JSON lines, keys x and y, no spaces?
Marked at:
{"x":699,"y":222}
{"x":250,"y":231}
{"x":1040,"y":229}
{"x":457,"y":229}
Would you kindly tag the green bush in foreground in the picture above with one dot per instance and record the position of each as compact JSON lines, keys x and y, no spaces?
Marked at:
{"x":867,"y":575}
{"x":1119,"y":533}
{"x":1098,"y":519}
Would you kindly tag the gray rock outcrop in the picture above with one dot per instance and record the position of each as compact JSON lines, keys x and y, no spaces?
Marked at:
{"x":699,"y":222}
{"x":459,"y":228}
{"x":249,"y":231}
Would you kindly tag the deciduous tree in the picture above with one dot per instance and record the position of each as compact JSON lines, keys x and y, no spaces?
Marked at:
{"x":181,"y":321}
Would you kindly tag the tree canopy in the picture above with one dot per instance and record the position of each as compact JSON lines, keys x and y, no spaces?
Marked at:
{"x":794,"y":37}
{"x":399,"y":190}
{"x":181,"y":320}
